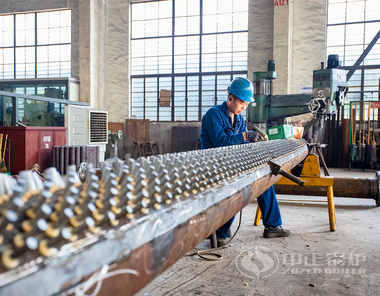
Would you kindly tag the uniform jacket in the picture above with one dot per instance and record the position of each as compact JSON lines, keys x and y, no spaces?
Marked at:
{"x":217,"y":130}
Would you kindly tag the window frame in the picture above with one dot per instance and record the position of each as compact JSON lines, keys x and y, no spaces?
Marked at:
{"x":186,"y":74}
{"x":35,"y":46}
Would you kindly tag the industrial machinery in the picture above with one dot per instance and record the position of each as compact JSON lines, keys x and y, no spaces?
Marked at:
{"x":129,"y":221}
{"x":329,"y":89}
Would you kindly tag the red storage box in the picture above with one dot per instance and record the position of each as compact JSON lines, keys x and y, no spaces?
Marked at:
{"x":32,"y":144}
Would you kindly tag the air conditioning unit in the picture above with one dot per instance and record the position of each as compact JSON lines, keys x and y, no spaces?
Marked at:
{"x":86,"y":126}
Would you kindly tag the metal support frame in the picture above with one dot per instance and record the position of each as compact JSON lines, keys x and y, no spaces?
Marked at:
{"x":311,"y":174}
{"x":362,"y":56}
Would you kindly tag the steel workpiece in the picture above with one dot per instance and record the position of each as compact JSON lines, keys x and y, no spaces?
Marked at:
{"x":121,"y":227}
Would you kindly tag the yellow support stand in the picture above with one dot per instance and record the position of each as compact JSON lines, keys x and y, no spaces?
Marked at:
{"x":311,"y":174}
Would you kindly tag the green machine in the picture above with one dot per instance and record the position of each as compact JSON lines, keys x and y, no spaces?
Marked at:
{"x":268,"y":108}
{"x":329,"y":88}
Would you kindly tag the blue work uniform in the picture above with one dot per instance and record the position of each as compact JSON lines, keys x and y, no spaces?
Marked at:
{"x":217,"y":131}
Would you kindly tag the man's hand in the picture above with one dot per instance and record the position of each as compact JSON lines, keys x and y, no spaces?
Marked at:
{"x":253,"y":136}
{"x":263,"y":136}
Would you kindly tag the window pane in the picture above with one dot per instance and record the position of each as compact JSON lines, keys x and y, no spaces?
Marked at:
{"x":222,"y":50}
{"x":240,"y":42}
{"x":193,"y":7}
{"x":165,"y":27}
{"x":165,"y":65}
{"x":210,"y":6}
{"x":165,"y":9}
{"x":6,"y":30}
{"x":239,"y":61}
{"x":240,"y":5}
{"x":151,"y":28}
{"x":209,"y":44}
{"x":335,"y":35}
{"x":373,"y":56}
{"x":240,"y":21}
{"x":224,"y":62}
{"x":371,"y":30}
{"x":354,"y":34}
{"x":138,"y":29}
{"x":65,"y":18}
{"x":224,"y":43}
{"x":355,"y":11}
{"x":352,"y":53}
{"x":43,"y":20}
{"x":193,"y":25}
{"x":336,"y":13}
{"x":208,"y":83}
{"x":193,"y":83}
{"x":192,"y":63}
{"x":355,"y":79}
{"x":52,"y":27}
{"x":224,"y":6}
{"x":372,"y":10}
{"x":138,"y":11}
{"x":180,"y":8}
{"x":225,"y":22}
{"x":180,"y":84}
{"x":210,"y":23}
{"x":208,"y":62}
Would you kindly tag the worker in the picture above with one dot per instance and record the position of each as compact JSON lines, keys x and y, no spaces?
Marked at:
{"x":223,"y":125}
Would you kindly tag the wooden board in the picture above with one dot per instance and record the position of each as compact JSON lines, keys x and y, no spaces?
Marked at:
{"x":136,"y":130}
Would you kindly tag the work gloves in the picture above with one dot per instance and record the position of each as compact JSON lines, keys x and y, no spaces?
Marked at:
{"x":253,"y":136}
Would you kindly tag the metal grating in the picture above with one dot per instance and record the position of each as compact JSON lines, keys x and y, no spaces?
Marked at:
{"x":98,"y":127}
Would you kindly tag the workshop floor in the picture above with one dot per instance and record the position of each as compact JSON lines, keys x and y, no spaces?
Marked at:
{"x":312,"y":261}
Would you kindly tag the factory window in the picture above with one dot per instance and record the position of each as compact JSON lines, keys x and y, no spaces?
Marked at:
{"x":35,"y":45}
{"x":192,"y":48}
{"x":351,"y":26}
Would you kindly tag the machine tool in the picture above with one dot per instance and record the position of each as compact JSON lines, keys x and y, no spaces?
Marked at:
{"x":329,"y":89}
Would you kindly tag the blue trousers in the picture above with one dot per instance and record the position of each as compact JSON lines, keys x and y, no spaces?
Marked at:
{"x":269,"y":209}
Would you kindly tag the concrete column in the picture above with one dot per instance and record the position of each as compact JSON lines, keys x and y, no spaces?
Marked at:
{"x":117,"y":48}
{"x":92,"y":53}
{"x":85,"y":35}
{"x":104,"y":60}
{"x":308,"y":42}
{"x":282,"y":45}
{"x":75,"y":39}
{"x":260,"y":35}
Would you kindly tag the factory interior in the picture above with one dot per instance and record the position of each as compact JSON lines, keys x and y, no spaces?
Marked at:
{"x":189,"y":147}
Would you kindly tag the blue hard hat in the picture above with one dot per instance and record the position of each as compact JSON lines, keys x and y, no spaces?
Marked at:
{"x":242,"y":88}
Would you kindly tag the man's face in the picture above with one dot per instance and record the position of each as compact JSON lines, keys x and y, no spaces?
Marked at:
{"x":235,"y":105}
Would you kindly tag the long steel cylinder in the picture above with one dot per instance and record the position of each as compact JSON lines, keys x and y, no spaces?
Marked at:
{"x":121,"y":229}
{"x":366,"y":188}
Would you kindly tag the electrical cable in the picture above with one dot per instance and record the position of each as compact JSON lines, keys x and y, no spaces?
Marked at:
{"x":209,"y":254}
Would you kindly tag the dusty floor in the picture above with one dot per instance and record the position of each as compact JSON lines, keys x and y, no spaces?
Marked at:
{"x":312,"y":261}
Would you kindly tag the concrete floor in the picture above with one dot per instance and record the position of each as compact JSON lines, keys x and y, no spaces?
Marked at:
{"x":312,"y":261}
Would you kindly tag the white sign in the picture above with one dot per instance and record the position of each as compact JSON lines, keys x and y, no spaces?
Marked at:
{"x":306,"y":89}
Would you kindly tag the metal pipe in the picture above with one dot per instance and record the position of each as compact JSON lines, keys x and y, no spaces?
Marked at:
{"x":343,"y":187}
{"x":123,"y":254}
